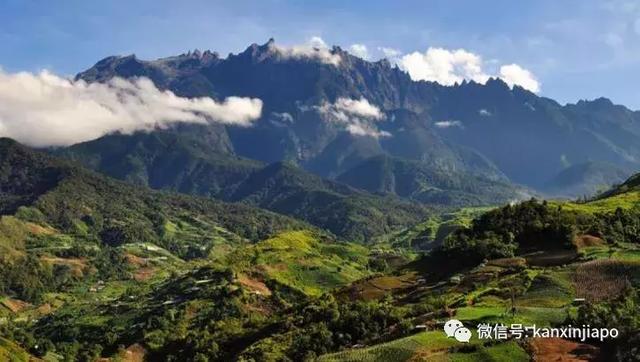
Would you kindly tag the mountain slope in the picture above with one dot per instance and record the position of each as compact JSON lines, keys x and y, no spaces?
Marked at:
{"x":89,"y":264}
{"x":428,"y":184}
{"x":350,"y":213}
{"x":173,"y":160}
{"x":190,"y":159}
{"x":630,"y":186}
{"x":103,"y":210}
{"x":586,"y":179}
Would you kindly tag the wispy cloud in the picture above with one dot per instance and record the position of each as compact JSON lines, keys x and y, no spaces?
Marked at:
{"x":389,"y":53}
{"x":47,"y":110}
{"x":448,"y":124}
{"x":358,"y":116}
{"x":359,"y":50}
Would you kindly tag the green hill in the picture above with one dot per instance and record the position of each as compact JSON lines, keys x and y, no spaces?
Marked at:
{"x":90,"y":264}
{"x":526,"y":264}
{"x":178,"y":162}
{"x":302,"y":261}
{"x":630,"y":186}
{"x":60,"y":210}
{"x":93,"y":267}
{"x":350,"y":213}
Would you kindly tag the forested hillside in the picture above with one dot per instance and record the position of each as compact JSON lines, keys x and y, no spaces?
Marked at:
{"x":93,"y":267}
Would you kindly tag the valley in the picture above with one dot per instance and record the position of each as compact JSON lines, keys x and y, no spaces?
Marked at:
{"x":155,"y":275}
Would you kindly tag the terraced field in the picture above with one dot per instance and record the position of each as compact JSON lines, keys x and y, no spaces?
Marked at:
{"x":431,"y":346}
{"x":299,"y":259}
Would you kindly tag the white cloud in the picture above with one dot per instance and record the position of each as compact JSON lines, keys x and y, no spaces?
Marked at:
{"x":359,"y":108}
{"x":513,"y":74}
{"x":366,"y":130}
{"x":444,"y":66}
{"x":315,"y":49}
{"x":284,"y":117}
{"x":485,"y":113}
{"x":449,"y":67}
{"x":46,"y":110}
{"x":359,"y":50}
{"x":448,"y":124}
{"x":389,"y":53}
{"x":358,"y":116}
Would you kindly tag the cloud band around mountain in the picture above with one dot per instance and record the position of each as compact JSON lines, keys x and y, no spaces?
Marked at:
{"x":315,"y":49}
{"x":448,"y":67}
{"x":358,"y":116}
{"x":47,"y":110}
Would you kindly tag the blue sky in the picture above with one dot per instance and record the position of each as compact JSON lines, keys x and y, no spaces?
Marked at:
{"x":575,"y":49}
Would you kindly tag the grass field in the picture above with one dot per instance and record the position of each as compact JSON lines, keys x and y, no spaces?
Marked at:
{"x":625,"y":201}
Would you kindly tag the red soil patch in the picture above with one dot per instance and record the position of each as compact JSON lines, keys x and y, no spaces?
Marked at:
{"x":15,"y":305}
{"x":262,"y":308}
{"x":45,"y":309}
{"x":582,"y":241}
{"x":558,"y":349}
{"x":254,"y":285}
{"x":134,"y":353}
{"x":135,"y":260}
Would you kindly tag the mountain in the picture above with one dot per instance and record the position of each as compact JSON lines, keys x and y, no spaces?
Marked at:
{"x":301,"y":102}
{"x":173,"y":160}
{"x":469,"y":130}
{"x":586,"y":179}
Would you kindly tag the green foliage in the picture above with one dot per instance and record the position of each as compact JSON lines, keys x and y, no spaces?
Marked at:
{"x":169,"y":161}
{"x":622,"y":314}
{"x":327,"y":325}
{"x":302,"y":260}
{"x":535,"y":225}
